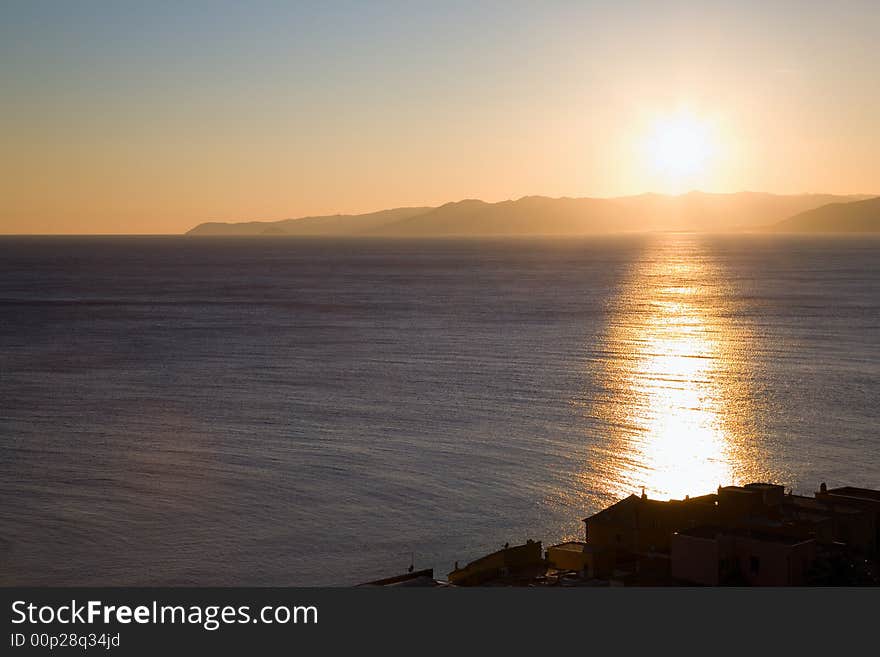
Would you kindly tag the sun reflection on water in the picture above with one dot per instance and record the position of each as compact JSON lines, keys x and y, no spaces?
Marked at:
{"x":673,"y":370}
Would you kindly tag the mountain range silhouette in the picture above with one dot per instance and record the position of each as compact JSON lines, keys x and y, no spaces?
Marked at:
{"x":539,"y":215}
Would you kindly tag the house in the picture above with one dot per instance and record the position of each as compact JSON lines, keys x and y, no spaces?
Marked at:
{"x":590,"y":560}
{"x":633,"y":536}
{"x":637,"y":524}
{"x":504,"y":566}
{"x":861,"y":533}
{"x":712,"y":556}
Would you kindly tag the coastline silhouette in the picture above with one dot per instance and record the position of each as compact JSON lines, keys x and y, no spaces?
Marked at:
{"x":539,"y":215}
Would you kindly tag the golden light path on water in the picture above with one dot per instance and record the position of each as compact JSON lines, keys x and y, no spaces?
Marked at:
{"x":676,"y":398}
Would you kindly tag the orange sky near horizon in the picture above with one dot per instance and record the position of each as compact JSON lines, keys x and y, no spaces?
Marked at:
{"x":140,"y":120}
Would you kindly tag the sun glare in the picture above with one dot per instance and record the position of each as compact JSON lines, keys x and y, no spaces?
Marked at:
{"x":679,"y":149}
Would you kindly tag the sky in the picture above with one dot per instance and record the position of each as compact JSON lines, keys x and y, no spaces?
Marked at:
{"x":151,"y":117}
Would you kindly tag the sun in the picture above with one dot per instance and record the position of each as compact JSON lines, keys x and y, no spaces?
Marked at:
{"x":678,"y":149}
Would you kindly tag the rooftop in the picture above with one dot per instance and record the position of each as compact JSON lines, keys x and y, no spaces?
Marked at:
{"x":575,"y":546}
{"x":629,"y":506}
{"x":762,"y":486}
{"x":820,"y":506}
{"x":853,"y":491}
{"x":712,"y":532}
{"x":742,"y":490}
{"x":418,"y":578}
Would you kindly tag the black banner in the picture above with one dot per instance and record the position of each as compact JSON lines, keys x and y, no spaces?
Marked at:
{"x":151,"y":621}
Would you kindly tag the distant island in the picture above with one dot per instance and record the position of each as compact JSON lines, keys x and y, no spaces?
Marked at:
{"x":539,"y":215}
{"x":853,"y":217}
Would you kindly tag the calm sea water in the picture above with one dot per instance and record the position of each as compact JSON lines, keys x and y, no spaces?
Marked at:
{"x":307,"y":412}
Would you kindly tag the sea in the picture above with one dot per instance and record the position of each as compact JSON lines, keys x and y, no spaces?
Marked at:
{"x":317,"y":412}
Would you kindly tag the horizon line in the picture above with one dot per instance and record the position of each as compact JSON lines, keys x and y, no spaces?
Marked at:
{"x":865,"y":196}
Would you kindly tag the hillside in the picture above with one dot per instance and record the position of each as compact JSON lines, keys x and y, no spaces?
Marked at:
{"x":538,"y":215}
{"x":330,"y":225}
{"x":533,"y":215}
{"x":852,"y":217}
